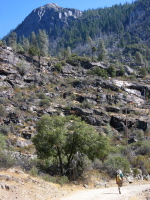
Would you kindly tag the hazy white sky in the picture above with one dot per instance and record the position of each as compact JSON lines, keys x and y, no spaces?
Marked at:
{"x":13,"y":12}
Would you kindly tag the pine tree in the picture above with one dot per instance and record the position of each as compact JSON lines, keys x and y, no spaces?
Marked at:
{"x":69,"y":51}
{"x":139,"y":58}
{"x":33,"y":40}
{"x":20,"y":48}
{"x":93,"y":48}
{"x":12,"y":40}
{"x":111,"y":71}
{"x":43,"y":42}
{"x":101,"y":50}
{"x":25,"y":44}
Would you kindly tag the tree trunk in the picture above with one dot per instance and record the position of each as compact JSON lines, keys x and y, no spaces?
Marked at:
{"x":60,"y":161}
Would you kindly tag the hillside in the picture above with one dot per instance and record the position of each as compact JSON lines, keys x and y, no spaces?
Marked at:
{"x":116,"y":107}
{"x":119,"y":26}
{"x":76,"y":108}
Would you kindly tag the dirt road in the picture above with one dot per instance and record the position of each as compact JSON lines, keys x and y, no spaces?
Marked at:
{"x":130,"y":192}
{"x":15,"y":184}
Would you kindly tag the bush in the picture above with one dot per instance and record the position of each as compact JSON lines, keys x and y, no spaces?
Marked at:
{"x":86,"y":104}
{"x":72,"y":61}
{"x":145,"y":148}
{"x":44,"y":103}
{"x":143,"y":72}
{"x":111,"y":71}
{"x":63,"y":180}
{"x":34,"y":171}
{"x":142,"y":162}
{"x":77,"y":60}
{"x":121,"y":72}
{"x":2,"y":142}
{"x":2,"y":111}
{"x":41,"y":95}
{"x":6,"y":160}
{"x":99,"y":72}
{"x":113,"y":163}
{"x":63,"y":62}
{"x":58,"y":66}
{"x":22,"y":68}
{"x":4,"y":130}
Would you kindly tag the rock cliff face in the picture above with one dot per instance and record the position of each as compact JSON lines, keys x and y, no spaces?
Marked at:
{"x":47,"y":17}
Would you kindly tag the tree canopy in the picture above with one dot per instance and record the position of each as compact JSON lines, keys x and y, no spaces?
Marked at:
{"x":64,"y":138}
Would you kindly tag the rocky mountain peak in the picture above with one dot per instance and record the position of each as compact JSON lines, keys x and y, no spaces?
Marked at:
{"x":52,"y":5}
{"x":49,"y":6}
{"x":46,"y":17}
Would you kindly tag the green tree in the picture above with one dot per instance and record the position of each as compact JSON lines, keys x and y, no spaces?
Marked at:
{"x":20,"y":48}
{"x":69,"y":51}
{"x":99,"y":72}
{"x":93,"y":51}
{"x":102,"y":52}
{"x":43,"y":42}
{"x":138,"y":58}
{"x":33,"y":40}
{"x":25,"y":44}
{"x":12,"y":40}
{"x":122,"y":43}
{"x":65,"y":53}
{"x":121,"y":71}
{"x":33,"y":51}
{"x":111,"y":71}
{"x":64,"y":138}
{"x":143,"y":71}
{"x":93,"y":48}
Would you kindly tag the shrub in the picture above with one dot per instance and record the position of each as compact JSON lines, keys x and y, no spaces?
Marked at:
{"x":63,"y":62}
{"x":6,"y":160}
{"x":2,"y":142}
{"x":41,"y":95}
{"x":113,"y":163}
{"x":2,"y":100}
{"x":22,"y":68}
{"x":2,"y":111}
{"x":63,"y":180}
{"x":58,"y":66}
{"x":142,"y":162}
{"x":4,"y":129}
{"x":72,"y":61}
{"x":145,"y":148}
{"x":44,"y":103}
{"x":98,"y":71}
{"x":143,"y":72}
{"x":34,"y":171}
{"x":121,"y":72}
{"x":86,"y":104}
{"x":111,"y":71}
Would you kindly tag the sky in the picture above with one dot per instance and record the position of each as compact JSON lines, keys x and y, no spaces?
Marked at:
{"x":13,"y":12}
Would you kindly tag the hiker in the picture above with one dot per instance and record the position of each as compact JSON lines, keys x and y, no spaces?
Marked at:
{"x":119,"y":180}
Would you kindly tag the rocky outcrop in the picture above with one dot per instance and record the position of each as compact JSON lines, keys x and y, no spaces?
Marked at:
{"x":97,"y":101}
